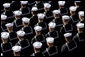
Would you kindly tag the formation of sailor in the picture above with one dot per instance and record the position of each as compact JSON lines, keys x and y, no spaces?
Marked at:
{"x":42,"y":28}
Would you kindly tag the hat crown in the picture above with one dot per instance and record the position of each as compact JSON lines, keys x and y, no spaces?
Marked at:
{"x":38,"y":28}
{"x":52,"y":24}
{"x":16,"y":48}
{"x":47,"y":5}
{"x":41,"y":15}
{"x":4,"y":35}
{"x":37,"y":44}
{"x":50,"y":40}
{"x":34,"y":8}
{"x":56,"y":11}
{"x":3,"y":17}
{"x":67,"y":34}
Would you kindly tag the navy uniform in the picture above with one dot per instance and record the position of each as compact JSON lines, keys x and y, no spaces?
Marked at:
{"x":3,"y":22}
{"x":57,"y":19}
{"x":15,"y":5}
{"x":24,"y":9}
{"x":37,"y":49}
{"x":27,"y":28}
{"x":48,"y":13}
{"x":34,"y":18}
{"x":6,"y":46}
{"x":62,"y":8}
{"x":17,"y":50}
{"x":51,"y":50}
{"x":40,"y":6}
{"x":39,"y":38}
{"x":18,"y":21}
{"x":24,"y":43}
{"x":31,"y":3}
{"x":79,"y":37}
{"x":69,"y":47}
{"x":12,"y":34}
{"x":67,"y":27}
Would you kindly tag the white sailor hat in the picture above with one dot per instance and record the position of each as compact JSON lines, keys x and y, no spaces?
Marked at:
{"x":47,"y":5}
{"x":20,"y":33}
{"x":62,"y":3}
{"x":16,"y":48}
{"x":73,"y":8}
{"x":77,"y":1}
{"x":37,"y":45}
{"x":34,"y":9}
{"x":24,"y":2}
{"x":6,"y":5}
{"x":52,"y":25}
{"x":4,"y":35}
{"x":38,"y":28}
{"x":50,"y":40}
{"x":18,"y":13}
{"x":25,"y":20}
{"x":3,"y":17}
{"x":56,"y":12}
{"x":81,"y":13}
{"x":66,"y":35}
{"x":80,"y":25}
{"x":65,"y":17}
{"x":40,"y":16}
{"x":9,"y":25}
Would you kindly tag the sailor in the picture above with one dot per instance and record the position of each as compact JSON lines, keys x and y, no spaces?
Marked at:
{"x":24,"y":43}
{"x":5,"y":45}
{"x":27,"y":28}
{"x":70,"y":46}
{"x":16,"y":50}
{"x":12,"y":34}
{"x":40,"y":6}
{"x":25,"y":9}
{"x":57,"y":19}
{"x":15,"y":5}
{"x":17,"y":22}
{"x":79,"y":37}
{"x":31,"y":3}
{"x":67,"y":27}
{"x":62,"y":8}
{"x":81,"y":16}
{"x":73,"y":14}
{"x":37,"y":46}
{"x":34,"y":18}
{"x":39,"y":36}
{"x":52,"y":50}
{"x":48,"y":13}
{"x":3,"y":22}
{"x":8,"y":12}
{"x":41,"y":22}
